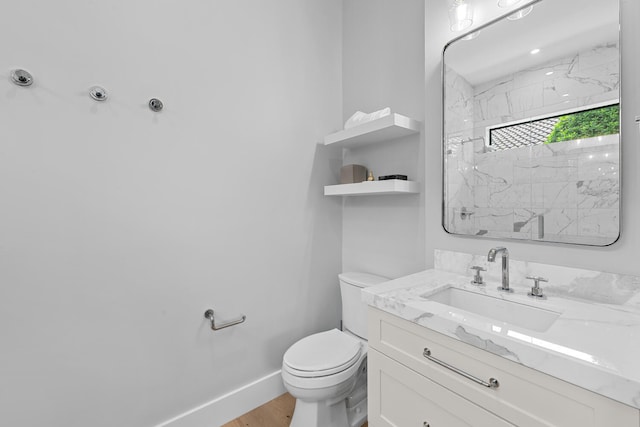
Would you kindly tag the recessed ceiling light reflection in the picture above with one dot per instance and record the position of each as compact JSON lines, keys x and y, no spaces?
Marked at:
{"x":548,"y":73}
{"x":460,"y":15}
{"x":534,"y":51}
{"x":520,"y":14}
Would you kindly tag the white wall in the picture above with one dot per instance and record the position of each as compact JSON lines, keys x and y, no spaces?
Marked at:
{"x":621,"y":257}
{"x":119,"y":226}
{"x":383,"y":66}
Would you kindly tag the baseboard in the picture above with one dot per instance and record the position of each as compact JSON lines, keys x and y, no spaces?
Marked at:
{"x":231,"y":405}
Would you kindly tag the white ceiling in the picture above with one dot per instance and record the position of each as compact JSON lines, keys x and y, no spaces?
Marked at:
{"x":557,"y":27}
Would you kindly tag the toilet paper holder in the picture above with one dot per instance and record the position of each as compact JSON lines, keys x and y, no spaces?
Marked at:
{"x":210,"y":314}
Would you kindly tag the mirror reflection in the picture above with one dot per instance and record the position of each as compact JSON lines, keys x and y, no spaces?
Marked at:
{"x":531,"y":125}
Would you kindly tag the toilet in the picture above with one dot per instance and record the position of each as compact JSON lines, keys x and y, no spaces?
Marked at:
{"x":327,"y":372}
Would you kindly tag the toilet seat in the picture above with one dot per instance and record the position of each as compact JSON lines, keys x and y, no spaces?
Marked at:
{"x":322,"y":354}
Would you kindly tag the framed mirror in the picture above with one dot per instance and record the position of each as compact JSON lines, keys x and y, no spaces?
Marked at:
{"x":531,"y":125}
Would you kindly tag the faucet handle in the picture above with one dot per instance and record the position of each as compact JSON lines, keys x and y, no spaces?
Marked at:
{"x":477,"y":279}
{"x":536,"y":290}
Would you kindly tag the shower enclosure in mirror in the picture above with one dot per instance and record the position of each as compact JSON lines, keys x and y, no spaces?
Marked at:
{"x":531,"y":125}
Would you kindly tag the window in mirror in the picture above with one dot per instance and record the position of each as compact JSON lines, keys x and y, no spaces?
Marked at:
{"x":584,"y":123}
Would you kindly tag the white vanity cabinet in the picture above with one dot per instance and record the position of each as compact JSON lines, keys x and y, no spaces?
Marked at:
{"x":407,"y":389}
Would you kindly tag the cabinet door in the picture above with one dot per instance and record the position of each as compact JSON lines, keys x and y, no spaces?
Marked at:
{"x":400,"y":397}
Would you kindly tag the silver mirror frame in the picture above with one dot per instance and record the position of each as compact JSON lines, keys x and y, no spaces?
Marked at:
{"x":443,"y":148}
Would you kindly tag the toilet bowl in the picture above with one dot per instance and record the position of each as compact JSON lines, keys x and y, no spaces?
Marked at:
{"x":327,"y":372}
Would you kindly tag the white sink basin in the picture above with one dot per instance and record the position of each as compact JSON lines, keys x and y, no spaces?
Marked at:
{"x":514,"y":313}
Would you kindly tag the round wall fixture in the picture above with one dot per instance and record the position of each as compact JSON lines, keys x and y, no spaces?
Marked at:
{"x":22,"y":77}
{"x":155,"y":104}
{"x":98,"y":93}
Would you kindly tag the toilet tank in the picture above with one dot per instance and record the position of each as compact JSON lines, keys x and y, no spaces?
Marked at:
{"x":354,"y":311}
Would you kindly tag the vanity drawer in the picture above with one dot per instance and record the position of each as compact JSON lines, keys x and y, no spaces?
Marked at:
{"x":524,"y":396}
{"x":400,"y":397}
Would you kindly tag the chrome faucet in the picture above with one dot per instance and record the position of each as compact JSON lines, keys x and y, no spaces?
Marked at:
{"x":491,"y":257}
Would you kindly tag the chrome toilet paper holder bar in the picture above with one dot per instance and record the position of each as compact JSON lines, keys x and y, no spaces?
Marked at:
{"x":210,"y":314}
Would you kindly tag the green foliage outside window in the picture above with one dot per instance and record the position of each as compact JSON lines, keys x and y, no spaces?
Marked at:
{"x":586,"y":124}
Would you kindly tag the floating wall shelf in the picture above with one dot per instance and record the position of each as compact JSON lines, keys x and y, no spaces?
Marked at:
{"x":386,"y":128}
{"x":389,"y":186}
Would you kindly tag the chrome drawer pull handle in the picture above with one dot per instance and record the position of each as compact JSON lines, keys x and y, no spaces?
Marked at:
{"x":493,"y":383}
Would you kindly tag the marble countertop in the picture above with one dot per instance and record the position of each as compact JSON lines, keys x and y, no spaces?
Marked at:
{"x":592,"y":344}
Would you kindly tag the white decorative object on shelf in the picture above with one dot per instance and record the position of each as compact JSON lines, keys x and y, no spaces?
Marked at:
{"x":360,"y":118}
{"x":386,"y":128}
{"x":389,"y":186}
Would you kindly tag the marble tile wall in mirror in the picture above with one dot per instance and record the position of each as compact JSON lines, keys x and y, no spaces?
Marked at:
{"x":566,"y":191}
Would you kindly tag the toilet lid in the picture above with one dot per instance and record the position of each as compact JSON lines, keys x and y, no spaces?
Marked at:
{"x":361,"y":280}
{"x":324,"y":353}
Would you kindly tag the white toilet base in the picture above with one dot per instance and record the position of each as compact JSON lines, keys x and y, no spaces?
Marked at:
{"x":319,"y":414}
{"x":341,"y":411}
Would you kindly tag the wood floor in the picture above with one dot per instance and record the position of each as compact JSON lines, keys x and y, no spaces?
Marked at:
{"x":276,"y":413}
